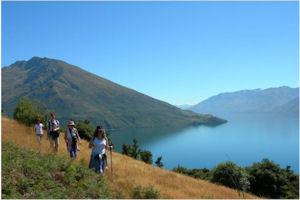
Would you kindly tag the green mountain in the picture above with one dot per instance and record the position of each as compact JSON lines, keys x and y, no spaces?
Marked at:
{"x":77,"y":94}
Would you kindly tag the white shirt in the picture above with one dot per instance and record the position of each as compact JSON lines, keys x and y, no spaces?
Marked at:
{"x":99,"y":146}
{"x":39,"y":128}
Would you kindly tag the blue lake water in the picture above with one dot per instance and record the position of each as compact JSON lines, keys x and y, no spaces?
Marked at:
{"x":245,"y":139}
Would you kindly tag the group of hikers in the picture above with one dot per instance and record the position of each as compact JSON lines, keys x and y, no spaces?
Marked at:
{"x":98,"y":143}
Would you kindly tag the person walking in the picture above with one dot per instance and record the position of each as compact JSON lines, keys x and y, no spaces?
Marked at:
{"x":72,"y":138}
{"x":38,"y":127}
{"x":98,"y":160}
{"x":53,"y":132}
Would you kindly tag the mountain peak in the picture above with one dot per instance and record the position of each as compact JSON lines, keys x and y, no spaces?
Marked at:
{"x":75,"y":93}
{"x":36,"y":58}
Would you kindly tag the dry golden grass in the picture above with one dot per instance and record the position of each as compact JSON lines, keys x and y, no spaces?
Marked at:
{"x":127,"y":172}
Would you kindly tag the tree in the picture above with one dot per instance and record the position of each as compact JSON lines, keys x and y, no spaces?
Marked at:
{"x":146,"y":156}
{"x":231,"y":175}
{"x":26,"y":112}
{"x":158,"y":162}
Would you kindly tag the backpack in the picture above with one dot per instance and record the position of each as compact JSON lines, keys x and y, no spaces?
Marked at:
{"x":54,"y":134}
{"x":74,"y":137}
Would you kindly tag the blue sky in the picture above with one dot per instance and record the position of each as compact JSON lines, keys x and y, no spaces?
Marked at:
{"x":179,"y":52}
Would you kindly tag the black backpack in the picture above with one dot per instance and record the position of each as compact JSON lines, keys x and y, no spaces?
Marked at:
{"x":54,"y":134}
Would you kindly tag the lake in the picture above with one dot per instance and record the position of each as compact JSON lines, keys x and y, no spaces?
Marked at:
{"x":245,"y":139}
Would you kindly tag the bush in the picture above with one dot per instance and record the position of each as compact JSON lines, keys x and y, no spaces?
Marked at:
{"x":139,"y":192}
{"x":151,"y":193}
{"x":291,"y":187}
{"x":196,"y":173}
{"x":85,"y":129}
{"x":269,"y":180}
{"x":231,"y":175}
{"x":146,"y":156}
{"x":132,"y":150}
{"x":26,"y":112}
{"x":181,"y":170}
{"x":135,"y":152}
{"x":126,"y":149}
{"x":265,"y":178}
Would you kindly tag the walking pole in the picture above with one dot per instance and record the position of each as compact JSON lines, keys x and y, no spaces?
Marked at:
{"x":111,"y":167}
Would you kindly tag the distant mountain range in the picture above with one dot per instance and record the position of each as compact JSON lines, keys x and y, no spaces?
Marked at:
{"x":280,"y":100}
{"x":77,"y":94}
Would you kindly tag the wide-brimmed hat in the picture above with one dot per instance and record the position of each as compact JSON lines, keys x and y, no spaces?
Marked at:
{"x":71,"y":123}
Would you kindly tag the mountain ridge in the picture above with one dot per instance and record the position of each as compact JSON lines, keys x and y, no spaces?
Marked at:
{"x":77,"y":94}
{"x":267,"y":100}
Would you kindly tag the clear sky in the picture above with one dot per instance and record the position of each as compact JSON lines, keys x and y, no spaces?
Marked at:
{"x":179,"y":52}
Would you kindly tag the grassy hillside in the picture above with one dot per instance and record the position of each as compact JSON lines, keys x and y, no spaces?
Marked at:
{"x":127,"y":172}
{"x":28,"y":174}
{"x":79,"y":95}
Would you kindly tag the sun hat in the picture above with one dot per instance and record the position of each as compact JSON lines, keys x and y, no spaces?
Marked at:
{"x":71,"y":123}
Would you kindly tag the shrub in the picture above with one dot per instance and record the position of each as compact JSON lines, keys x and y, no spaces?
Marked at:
{"x":126,"y":149}
{"x":137,"y":192}
{"x":132,"y":150}
{"x":231,"y":175}
{"x":146,"y":156}
{"x":265,"y":178}
{"x":196,"y":173}
{"x":181,"y":170}
{"x":269,"y":180}
{"x":150,"y":192}
{"x":158,"y":162}
{"x":291,"y":187}
{"x":26,"y":112}
{"x":85,"y":129}
{"x":135,"y":152}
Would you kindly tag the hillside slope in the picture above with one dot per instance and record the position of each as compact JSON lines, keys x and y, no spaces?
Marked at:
{"x":251,"y":101}
{"x":77,"y":94}
{"x":127,"y":172}
{"x":36,"y":176}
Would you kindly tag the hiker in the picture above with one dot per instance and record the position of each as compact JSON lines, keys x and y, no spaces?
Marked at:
{"x":38,"y":127}
{"x":72,"y":138}
{"x":99,"y":142}
{"x":53,"y":132}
